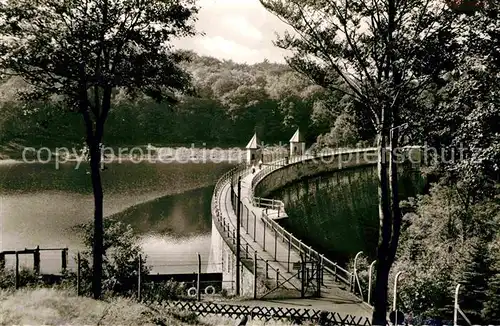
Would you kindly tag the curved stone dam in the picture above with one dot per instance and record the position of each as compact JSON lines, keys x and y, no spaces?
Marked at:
{"x":257,"y":256}
{"x":337,"y":212}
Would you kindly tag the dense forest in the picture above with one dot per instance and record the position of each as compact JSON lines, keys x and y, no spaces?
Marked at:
{"x":450,"y":233}
{"x":424,"y":77}
{"x":230,"y":102}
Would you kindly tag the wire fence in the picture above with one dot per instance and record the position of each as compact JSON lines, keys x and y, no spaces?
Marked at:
{"x":52,"y":262}
{"x":53,"y":266}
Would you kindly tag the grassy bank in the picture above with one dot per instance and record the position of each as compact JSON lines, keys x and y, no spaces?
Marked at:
{"x":58,"y":307}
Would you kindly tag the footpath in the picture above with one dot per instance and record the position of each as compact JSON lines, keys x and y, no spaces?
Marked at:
{"x":254,"y":231}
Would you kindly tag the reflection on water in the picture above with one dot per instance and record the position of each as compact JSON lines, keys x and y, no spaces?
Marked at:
{"x":180,"y":216}
{"x":170,"y":255}
{"x":124,"y":178}
{"x":167,"y":204}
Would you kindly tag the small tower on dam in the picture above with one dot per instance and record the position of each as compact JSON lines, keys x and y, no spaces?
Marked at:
{"x":297,"y":144}
{"x":254,"y":152}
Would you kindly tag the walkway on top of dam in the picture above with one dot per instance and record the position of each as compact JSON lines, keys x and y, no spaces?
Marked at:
{"x":276,"y":253}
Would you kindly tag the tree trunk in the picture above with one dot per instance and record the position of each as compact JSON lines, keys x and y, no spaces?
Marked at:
{"x":94,"y":137}
{"x":393,"y":179}
{"x":385,"y":218}
{"x":97,"y":246}
{"x":380,"y":297}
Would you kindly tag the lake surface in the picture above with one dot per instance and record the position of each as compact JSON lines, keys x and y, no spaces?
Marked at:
{"x":167,"y":204}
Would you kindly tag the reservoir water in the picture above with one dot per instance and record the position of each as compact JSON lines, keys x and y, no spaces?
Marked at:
{"x":167,"y":204}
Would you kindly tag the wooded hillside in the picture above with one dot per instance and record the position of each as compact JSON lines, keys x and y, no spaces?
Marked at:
{"x":230,"y":103}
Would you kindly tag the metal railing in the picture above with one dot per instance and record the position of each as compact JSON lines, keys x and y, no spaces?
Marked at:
{"x":229,"y":229}
{"x":225,"y":225}
{"x":331,"y":267}
{"x":309,"y":253}
{"x":268,"y":203}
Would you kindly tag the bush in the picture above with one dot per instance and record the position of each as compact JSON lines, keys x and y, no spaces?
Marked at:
{"x":158,"y":292}
{"x":344,"y":133}
{"x":120,"y":259}
{"x":449,"y":241}
{"x":120,"y":266}
{"x":27,"y":277}
{"x":491,"y":309}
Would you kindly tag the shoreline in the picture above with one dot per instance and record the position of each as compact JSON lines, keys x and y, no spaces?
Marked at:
{"x":153,"y":155}
{"x":137,"y":154}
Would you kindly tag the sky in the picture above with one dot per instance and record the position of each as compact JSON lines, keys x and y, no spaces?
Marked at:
{"x":239,"y":30}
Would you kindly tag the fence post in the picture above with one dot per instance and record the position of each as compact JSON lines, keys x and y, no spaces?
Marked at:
{"x":289,"y":249}
{"x":370,"y":272}
{"x":198,"y":277}
{"x":275,"y":244}
{"x":302,"y":278}
{"x":36,"y":260}
{"x":456,"y":306}
{"x":246,"y":251}
{"x":322,"y":269}
{"x":255,"y":275}
{"x":238,"y":238}
{"x":17,"y":270}
{"x":64,"y":260}
{"x":267,"y":269}
{"x":139,"y":272}
{"x":278,"y":277}
{"x":78,"y":272}
{"x":248,"y":213}
{"x":264,"y":235}
{"x":355,"y":274}
{"x":318,"y":279}
{"x":394,"y":306}
{"x":254,"y":225}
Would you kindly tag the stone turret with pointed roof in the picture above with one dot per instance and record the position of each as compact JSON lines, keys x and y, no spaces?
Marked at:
{"x":253,"y":150}
{"x":297,"y":137}
{"x":253,"y":143}
{"x":297,"y":144}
